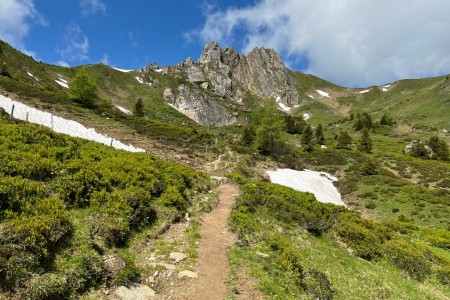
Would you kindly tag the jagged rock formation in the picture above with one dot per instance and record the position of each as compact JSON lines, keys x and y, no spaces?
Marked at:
{"x":224,"y":73}
{"x":197,"y":106}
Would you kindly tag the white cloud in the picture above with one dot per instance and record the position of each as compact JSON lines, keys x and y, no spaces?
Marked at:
{"x":76,"y":45}
{"x":133,"y":40}
{"x":15,"y":19}
{"x":89,"y":7}
{"x":63,"y":63}
{"x":350,"y":42}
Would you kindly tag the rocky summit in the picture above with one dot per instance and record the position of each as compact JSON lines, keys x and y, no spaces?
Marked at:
{"x":222,"y":77}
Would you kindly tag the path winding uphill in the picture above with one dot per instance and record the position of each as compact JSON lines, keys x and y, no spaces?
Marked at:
{"x":212,"y":264}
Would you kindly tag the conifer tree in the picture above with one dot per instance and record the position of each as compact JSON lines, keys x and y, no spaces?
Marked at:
{"x":439,"y":147}
{"x":343,"y":140}
{"x":83,"y":89}
{"x":139,"y":108}
{"x":270,"y":139}
{"x":365,"y":143}
{"x":248,"y":136}
{"x":320,"y":139}
{"x":308,"y":138}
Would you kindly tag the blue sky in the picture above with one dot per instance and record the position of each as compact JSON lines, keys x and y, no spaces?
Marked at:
{"x":349,"y":42}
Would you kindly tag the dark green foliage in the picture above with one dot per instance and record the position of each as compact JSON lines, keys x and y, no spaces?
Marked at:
{"x":409,"y":257}
{"x":443,"y":275}
{"x":84,"y":90}
{"x":270,"y":136}
{"x":439,"y":147}
{"x":371,"y":205}
{"x":40,"y":216}
{"x":365,"y":143}
{"x":308,"y":138}
{"x":248,"y":136}
{"x":368,"y":167}
{"x":387,"y":120}
{"x":318,"y":285}
{"x":418,"y":149}
{"x":364,"y":237}
{"x":362,"y":121}
{"x":318,"y":133}
{"x":343,"y":140}
{"x":294,"y":125}
{"x":138,"y":110}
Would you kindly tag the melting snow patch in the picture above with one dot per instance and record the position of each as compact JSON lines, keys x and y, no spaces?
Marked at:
{"x":158,"y":70}
{"x":122,"y":109}
{"x":318,"y":183}
{"x":61,"y":125}
{"x":139,"y":79}
{"x":323,"y":94}
{"x":31,"y":75}
{"x":306,"y":116}
{"x":62,"y":82}
{"x":385,"y":89}
{"x":122,"y":70}
{"x":310,"y":96}
{"x":363,"y":92}
{"x":387,"y":85}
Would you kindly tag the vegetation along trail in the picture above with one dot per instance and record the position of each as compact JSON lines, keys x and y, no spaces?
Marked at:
{"x":212,"y":250}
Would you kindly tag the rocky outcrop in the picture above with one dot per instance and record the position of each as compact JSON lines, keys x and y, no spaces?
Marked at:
{"x":193,"y":103}
{"x":229,"y":75}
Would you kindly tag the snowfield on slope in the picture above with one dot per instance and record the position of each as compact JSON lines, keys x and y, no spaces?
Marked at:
{"x":318,"y":183}
{"x":323,"y":94}
{"x":61,"y":125}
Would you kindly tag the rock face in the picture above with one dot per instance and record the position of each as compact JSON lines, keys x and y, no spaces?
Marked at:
{"x":223,"y":73}
{"x":197,"y":106}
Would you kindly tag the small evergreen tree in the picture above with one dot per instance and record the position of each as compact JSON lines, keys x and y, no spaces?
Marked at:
{"x":358,"y":124}
{"x":307,"y":138}
{"x":320,"y":139}
{"x":248,"y":136}
{"x":294,"y":125}
{"x":365,"y":143}
{"x":368,"y":167}
{"x":84,"y":90}
{"x":386,"y":120}
{"x":367,"y":120}
{"x":139,"y":108}
{"x":343,"y":140}
{"x":439,"y":147}
{"x":270,"y":128}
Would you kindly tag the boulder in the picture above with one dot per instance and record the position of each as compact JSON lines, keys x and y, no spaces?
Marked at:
{"x":135,"y":292}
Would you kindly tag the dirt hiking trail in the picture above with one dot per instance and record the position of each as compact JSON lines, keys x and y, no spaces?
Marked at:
{"x":212,"y":263}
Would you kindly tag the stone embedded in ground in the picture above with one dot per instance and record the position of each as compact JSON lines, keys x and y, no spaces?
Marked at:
{"x":262,"y":254}
{"x":135,"y":292}
{"x":188,"y":274}
{"x":165,"y":266}
{"x":178,"y":256}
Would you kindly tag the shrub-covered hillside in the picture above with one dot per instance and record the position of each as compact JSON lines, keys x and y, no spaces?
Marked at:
{"x":299,"y":248}
{"x":66,"y":202}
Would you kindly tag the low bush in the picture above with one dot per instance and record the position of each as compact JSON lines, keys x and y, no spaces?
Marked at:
{"x":409,"y":257}
{"x":318,"y":285}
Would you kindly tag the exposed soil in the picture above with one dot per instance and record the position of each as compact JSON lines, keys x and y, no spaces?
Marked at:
{"x":212,"y":263}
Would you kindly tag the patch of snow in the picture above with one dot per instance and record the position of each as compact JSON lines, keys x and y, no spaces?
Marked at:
{"x":62,"y":83}
{"x":387,"y":85}
{"x":385,"y":89}
{"x":278,"y":99}
{"x":295,"y":106}
{"x":323,"y":94}
{"x":172,"y":105}
{"x":61,"y":125}
{"x":122,"y":70}
{"x":284,"y":107}
{"x":63,"y":80}
{"x":306,"y":116}
{"x":159,"y":70}
{"x":122,"y":109}
{"x":31,"y":75}
{"x":139,"y":79}
{"x":310,"y":96}
{"x":365,"y":91}
{"x":318,"y":183}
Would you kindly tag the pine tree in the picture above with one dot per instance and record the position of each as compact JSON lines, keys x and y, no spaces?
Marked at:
{"x":365,"y":143}
{"x":248,"y":136}
{"x":307,"y":138}
{"x":358,"y":124}
{"x":83,"y":89}
{"x":139,"y":108}
{"x":439,"y":147}
{"x":320,"y":139}
{"x":270,"y":129}
{"x":343,"y":140}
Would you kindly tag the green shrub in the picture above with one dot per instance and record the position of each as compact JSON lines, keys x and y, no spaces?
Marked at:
{"x":371,"y":205}
{"x":84,"y":269}
{"x":437,"y":237}
{"x":368,"y":167}
{"x":443,"y":275}
{"x":409,"y":257}
{"x":44,"y":287}
{"x":363,"y":236}
{"x":318,"y":285}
